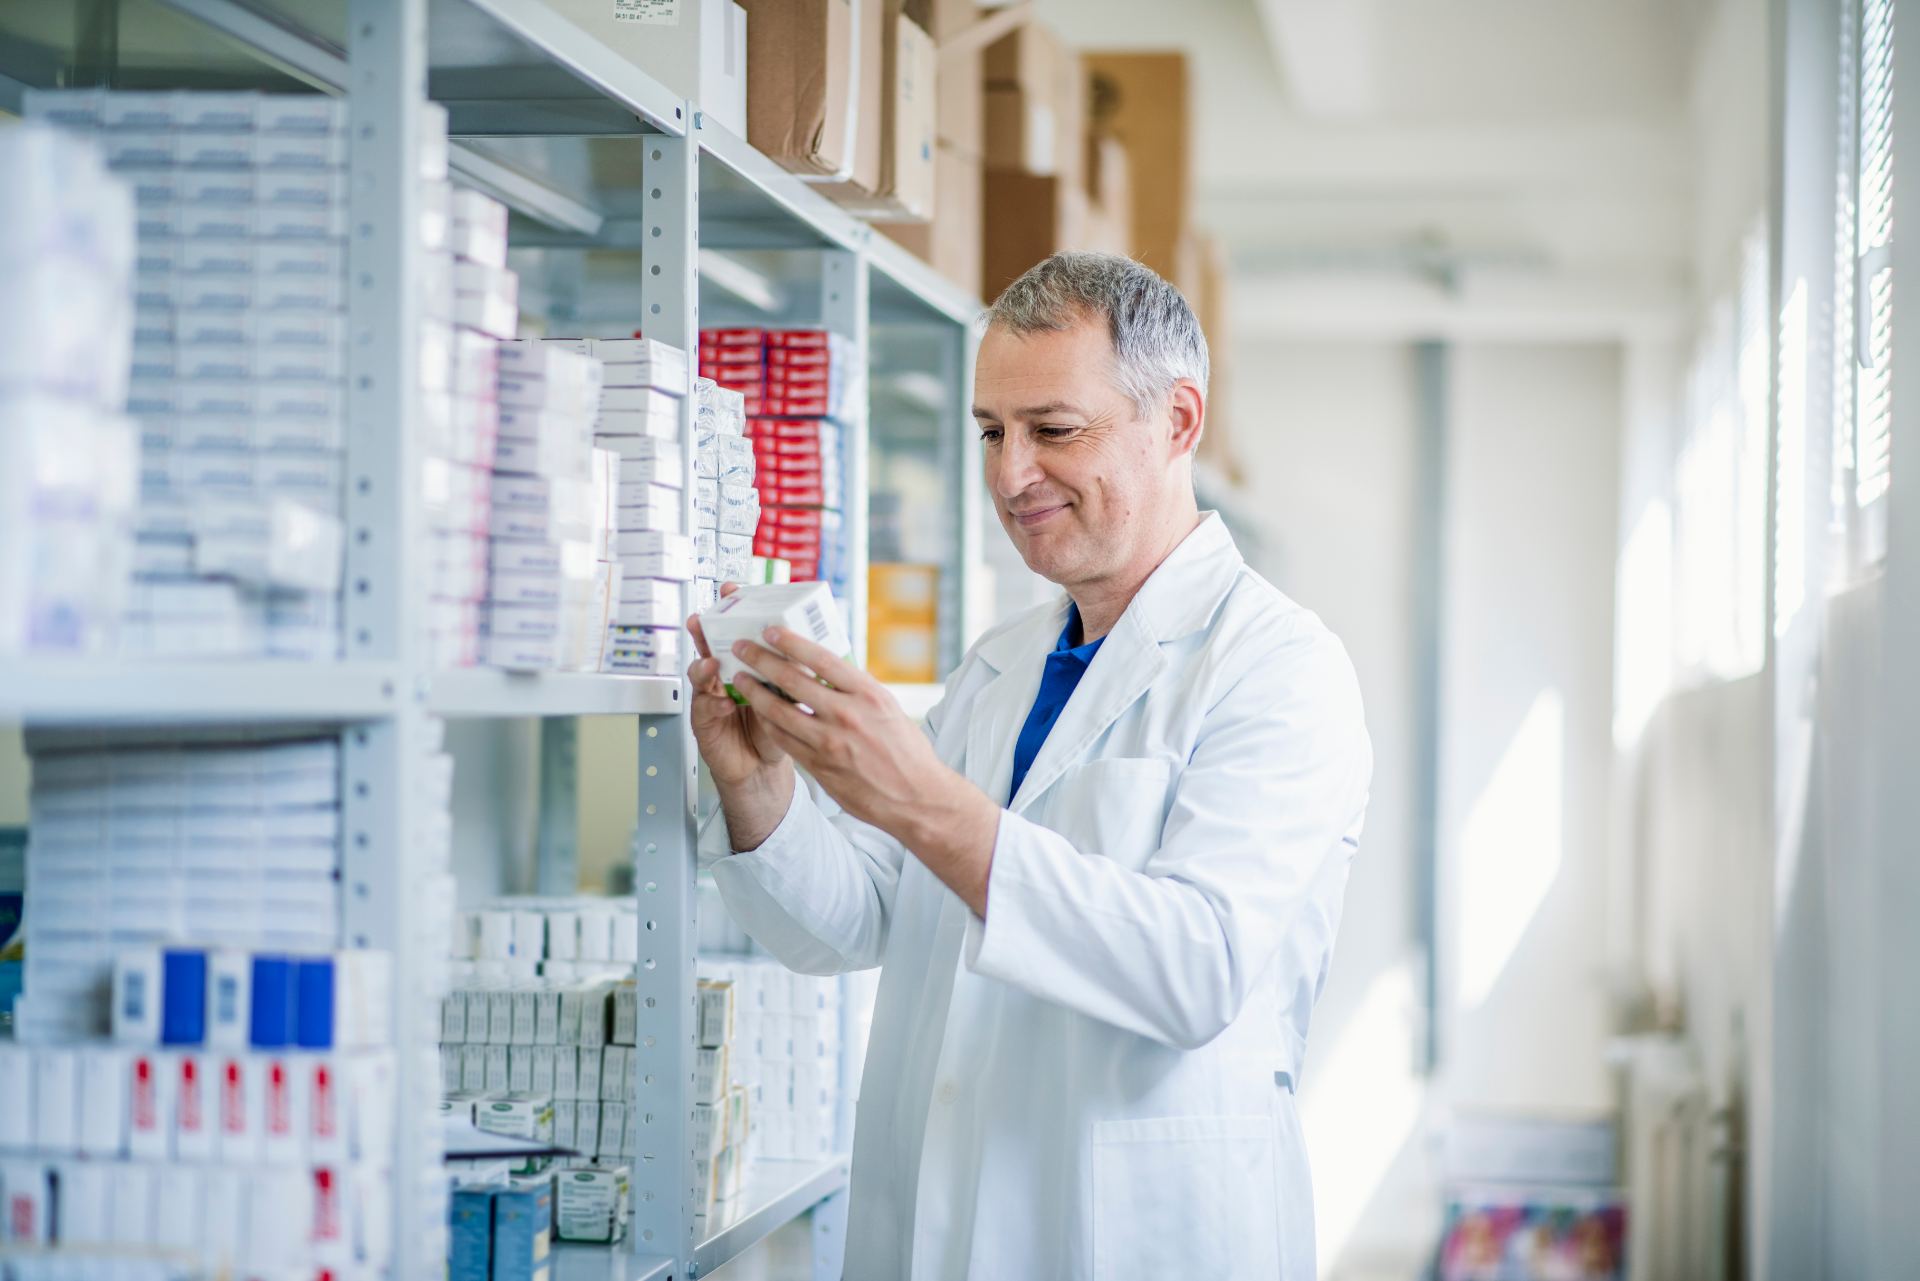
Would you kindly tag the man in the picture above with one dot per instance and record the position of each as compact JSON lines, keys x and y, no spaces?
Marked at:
{"x":1102,"y":884}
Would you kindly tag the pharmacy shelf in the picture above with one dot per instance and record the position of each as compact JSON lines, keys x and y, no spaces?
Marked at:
{"x":482,"y":691}
{"x":501,"y":66}
{"x":776,"y":1193}
{"x":81,"y":691}
{"x":577,"y":1261}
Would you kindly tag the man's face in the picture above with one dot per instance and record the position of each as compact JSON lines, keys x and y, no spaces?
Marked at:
{"x":1080,"y":478}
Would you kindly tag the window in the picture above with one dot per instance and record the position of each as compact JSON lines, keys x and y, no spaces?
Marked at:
{"x":1720,"y":481}
{"x":1863,"y":311}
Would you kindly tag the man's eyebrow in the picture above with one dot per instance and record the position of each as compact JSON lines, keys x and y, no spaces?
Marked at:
{"x":1050,"y":408}
{"x":1032,"y":411}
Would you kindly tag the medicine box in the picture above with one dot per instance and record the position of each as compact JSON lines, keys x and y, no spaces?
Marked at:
{"x":806,"y":609}
{"x":591,"y":1204}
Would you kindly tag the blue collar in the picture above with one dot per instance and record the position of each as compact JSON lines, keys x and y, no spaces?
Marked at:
{"x":1064,"y":646}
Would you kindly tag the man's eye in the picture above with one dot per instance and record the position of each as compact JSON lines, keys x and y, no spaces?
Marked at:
{"x":1053,"y":432}
{"x":989,"y":435}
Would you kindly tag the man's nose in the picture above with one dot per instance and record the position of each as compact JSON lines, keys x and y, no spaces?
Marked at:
{"x":1014,"y":467}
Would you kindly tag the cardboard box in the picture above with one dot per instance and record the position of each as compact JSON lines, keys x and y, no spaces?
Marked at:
{"x":697,"y":48}
{"x":1032,"y":218}
{"x":1144,"y":101}
{"x":1034,"y":103}
{"x":960,"y":100}
{"x":908,"y":177}
{"x":1214,"y":308}
{"x":952,"y":241}
{"x":1109,"y":213}
{"x":817,"y":68}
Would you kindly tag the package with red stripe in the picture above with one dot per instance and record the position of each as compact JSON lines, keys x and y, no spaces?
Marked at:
{"x":794,"y":372}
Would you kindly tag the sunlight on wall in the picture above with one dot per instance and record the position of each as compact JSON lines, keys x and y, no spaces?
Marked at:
{"x":1510,"y":847}
{"x":1790,"y":533}
{"x":1644,"y":637}
{"x":1360,"y":1107}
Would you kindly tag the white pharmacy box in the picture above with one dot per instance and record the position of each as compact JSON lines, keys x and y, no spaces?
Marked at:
{"x":806,"y":609}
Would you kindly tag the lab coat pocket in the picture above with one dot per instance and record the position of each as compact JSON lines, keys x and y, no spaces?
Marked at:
{"x":1115,"y":807}
{"x":1190,"y":1196}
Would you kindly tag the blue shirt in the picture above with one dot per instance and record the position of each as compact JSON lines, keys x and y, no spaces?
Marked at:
{"x":1065,"y":666}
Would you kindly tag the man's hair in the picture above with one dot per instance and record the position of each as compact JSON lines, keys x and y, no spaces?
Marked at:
{"x":1156,"y":340}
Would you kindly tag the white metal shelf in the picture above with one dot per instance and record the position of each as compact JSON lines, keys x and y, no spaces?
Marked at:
{"x":579,"y":1261}
{"x":776,"y":1193}
{"x":484,"y":691}
{"x":552,"y":121}
{"x":109,"y":691}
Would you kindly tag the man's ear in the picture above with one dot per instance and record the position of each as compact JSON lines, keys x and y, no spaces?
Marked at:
{"x":1187,"y":411}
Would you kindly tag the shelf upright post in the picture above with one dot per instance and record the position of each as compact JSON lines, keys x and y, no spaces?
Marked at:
{"x":387,"y":829}
{"x":666,"y":1001}
{"x":961,"y":616}
{"x":844,"y":311}
{"x":557,"y":856}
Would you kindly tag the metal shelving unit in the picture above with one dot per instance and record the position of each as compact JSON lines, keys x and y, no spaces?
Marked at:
{"x":593,"y":157}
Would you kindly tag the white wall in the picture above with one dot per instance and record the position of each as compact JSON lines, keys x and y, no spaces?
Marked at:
{"x":1329,"y":432}
{"x":1526,"y":698}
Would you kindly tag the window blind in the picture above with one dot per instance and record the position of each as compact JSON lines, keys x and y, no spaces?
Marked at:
{"x":1873,"y":268}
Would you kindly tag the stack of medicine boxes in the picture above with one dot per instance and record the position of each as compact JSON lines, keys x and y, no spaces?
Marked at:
{"x":726,"y":506}
{"x":69,"y":462}
{"x":786,"y":1052}
{"x":800,"y":387}
{"x":239,"y":363}
{"x":240,"y":1118}
{"x":640,"y":411}
{"x":501,"y":1233}
{"x":460,"y":412}
{"x":230,"y":846}
{"x":553,"y":580}
{"x":721,"y":1113}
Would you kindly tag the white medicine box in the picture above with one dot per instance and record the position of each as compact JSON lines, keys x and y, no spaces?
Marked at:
{"x":806,"y":609}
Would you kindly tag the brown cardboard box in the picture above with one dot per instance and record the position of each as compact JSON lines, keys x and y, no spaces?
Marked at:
{"x":962,"y":108}
{"x":801,"y":105}
{"x":1214,"y":308}
{"x":960,"y":113}
{"x":1109,"y":217}
{"x":1028,"y":218}
{"x":952,"y":242}
{"x":1034,"y":109}
{"x":905,"y":191}
{"x":1142,"y":99}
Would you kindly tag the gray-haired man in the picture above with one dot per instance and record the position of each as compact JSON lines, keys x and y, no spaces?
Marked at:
{"x":1103,"y":881}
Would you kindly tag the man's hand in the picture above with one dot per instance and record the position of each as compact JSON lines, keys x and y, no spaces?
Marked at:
{"x":753,"y":776}
{"x":870,"y":757}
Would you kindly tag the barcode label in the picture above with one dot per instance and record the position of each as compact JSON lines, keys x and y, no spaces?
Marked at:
{"x":817,"y":621}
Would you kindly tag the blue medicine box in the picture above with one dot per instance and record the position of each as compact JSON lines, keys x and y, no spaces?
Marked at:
{"x":183,"y":997}
{"x":470,"y":1244}
{"x":313,"y":993}
{"x":522,"y":1227}
{"x":274,"y":1002}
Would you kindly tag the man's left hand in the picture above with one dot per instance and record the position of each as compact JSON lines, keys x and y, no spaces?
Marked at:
{"x":871,"y":757}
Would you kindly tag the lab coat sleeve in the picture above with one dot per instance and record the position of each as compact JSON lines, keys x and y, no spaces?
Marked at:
{"x":1272,"y":796}
{"x":817,"y":893}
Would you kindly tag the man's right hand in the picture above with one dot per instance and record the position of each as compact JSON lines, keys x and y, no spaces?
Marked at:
{"x":755,"y":779}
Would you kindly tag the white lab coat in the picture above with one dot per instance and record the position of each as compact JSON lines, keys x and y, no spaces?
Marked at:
{"x":1096,"y":1082}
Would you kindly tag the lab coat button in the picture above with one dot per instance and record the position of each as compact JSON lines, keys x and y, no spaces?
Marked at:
{"x":949,"y":1094}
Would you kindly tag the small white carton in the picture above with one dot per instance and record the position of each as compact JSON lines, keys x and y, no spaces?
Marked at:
{"x":806,"y":609}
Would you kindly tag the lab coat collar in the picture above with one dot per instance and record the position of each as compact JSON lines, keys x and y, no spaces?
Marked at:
{"x":1178,"y":599}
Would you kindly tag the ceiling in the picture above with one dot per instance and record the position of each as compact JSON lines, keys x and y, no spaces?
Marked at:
{"x":1435,"y":145}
